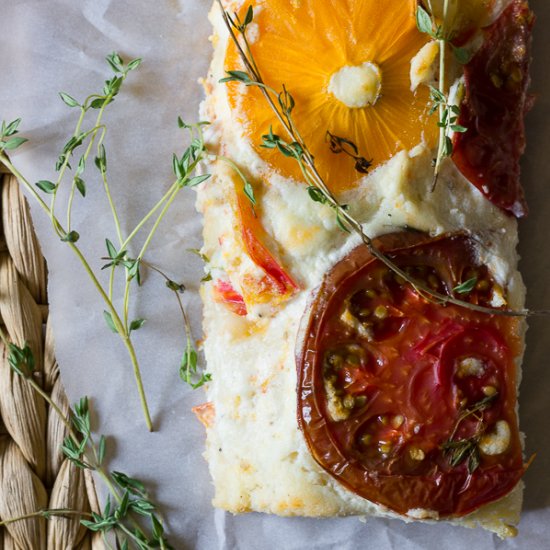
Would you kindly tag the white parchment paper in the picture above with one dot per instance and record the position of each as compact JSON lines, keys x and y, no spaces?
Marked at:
{"x":52,"y":45}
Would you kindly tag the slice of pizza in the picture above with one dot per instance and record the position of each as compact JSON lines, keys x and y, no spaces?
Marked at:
{"x":361,"y":232}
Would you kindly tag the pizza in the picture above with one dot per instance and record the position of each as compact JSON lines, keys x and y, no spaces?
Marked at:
{"x":365,"y":340}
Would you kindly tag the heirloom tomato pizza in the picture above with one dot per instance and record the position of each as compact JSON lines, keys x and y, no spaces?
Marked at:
{"x":362,"y":312}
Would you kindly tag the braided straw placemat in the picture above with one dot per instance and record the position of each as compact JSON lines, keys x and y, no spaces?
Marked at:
{"x":34,"y":474}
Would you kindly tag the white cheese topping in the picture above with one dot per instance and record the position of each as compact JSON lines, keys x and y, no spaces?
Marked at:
{"x":358,"y":86}
{"x":470,"y":366}
{"x":423,"y":65}
{"x":497,"y":441}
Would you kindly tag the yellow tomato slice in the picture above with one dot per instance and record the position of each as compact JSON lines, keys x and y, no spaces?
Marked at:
{"x":303,"y":44}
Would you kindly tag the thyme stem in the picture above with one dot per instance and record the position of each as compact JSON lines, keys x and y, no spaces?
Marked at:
{"x":64,"y":167}
{"x":95,"y":136}
{"x":148,"y":216}
{"x":157,"y":222}
{"x":61,"y":512}
{"x":120,"y":326}
{"x":442,"y":89}
{"x":14,"y":171}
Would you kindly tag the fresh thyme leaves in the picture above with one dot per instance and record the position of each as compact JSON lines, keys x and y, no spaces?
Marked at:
{"x":7,"y":142}
{"x":129,"y":496}
{"x":89,"y":142}
{"x":21,"y":360}
{"x":109,"y":320}
{"x":114,"y":255}
{"x":46,"y":186}
{"x":461,"y":450}
{"x":196,"y":153}
{"x":273,"y":141}
{"x":466,"y":287}
{"x":205,"y":259}
{"x":448,"y":113}
{"x":188,"y":368}
{"x":136,"y":324}
{"x":317,"y":189}
{"x":248,"y":189}
{"x":247,"y":20}
{"x":237,"y":76}
{"x":424,"y":22}
{"x":80,"y":185}
{"x":68,"y":100}
{"x":448,"y":121}
{"x":316,"y":195}
{"x":342,"y":145}
{"x":70,"y":237}
{"x":129,"y":499}
{"x":7,"y":131}
{"x":249,"y":192}
{"x":427,"y":25}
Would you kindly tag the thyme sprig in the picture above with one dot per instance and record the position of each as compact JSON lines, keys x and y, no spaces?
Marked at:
{"x":448,"y":122}
{"x":462,"y":450}
{"x":128,"y":499}
{"x":343,"y":145}
{"x":47,"y":513}
{"x":87,"y":142}
{"x":282,"y":104}
{"x":466,"y":287}
{"x":189,"y":369}
{"x":448,"y":112}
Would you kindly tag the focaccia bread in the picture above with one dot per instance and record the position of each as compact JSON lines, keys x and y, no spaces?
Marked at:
{"x":337,"y":387}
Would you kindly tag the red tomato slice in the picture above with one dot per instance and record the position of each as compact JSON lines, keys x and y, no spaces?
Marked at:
{"x":277,"y":284}
{"x":205,"y":413}
{"x":496,"y":79}
{"x":394,"y":405}
{"x":226,"y":294}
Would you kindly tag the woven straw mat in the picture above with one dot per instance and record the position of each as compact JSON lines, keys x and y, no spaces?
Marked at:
{"x":34,"y":474}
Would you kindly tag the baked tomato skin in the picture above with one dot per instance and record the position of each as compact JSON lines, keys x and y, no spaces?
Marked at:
{"x":396,"y":393}
{"x":277,"y":285}
{"x":277,"y":282}
{"x":224,"y":293}
{"x":496,"y":81}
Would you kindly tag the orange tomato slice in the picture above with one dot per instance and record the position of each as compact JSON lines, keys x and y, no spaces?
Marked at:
{"x":205,"y":413}
{"x":302,"y":44}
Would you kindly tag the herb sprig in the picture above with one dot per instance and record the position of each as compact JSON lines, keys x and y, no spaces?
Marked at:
{"x":282,"y":104}
{"x":189,"y":369}
{"x":466,"y":287}
{"x":343,"y":145}
{"x":81,"y":146}
{"x":128,"y":499}
{"x":448,"y":112}
{"x":462,"y":450}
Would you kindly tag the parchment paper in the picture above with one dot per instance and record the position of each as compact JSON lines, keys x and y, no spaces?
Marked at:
{"x":52,"y":45}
